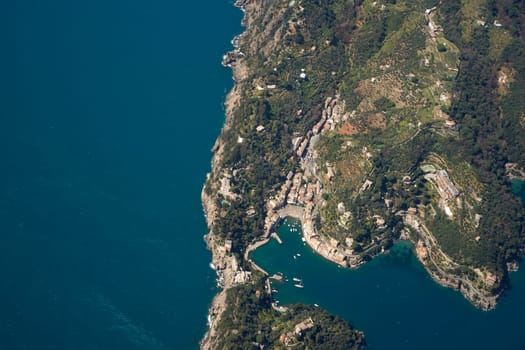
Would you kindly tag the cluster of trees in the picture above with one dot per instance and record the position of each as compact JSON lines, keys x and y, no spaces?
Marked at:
{"x":489,"y":138}
{"x":491,"y":134}
{"x":240,"y":325}
{"x":397,"y":178}
{"x":362,"y":38}
{"x":345,"y":45}
{"x":263,"y":159}
{"x":249,"y":322}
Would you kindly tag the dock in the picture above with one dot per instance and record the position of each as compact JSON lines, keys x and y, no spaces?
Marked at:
{"x":277,"y":238}
{"x":277,"y":277}
{"x":257,"y":267}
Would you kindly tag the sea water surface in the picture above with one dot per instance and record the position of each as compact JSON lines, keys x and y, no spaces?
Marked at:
{"x":110,"y":109}
{"x":392,"y":298}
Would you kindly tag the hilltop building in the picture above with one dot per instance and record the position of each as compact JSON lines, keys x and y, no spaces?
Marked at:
{"x":446,"y":188}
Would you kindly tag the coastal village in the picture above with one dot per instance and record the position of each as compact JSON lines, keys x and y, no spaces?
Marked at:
{"x":300,"y":196}
{"x":397,"y":103}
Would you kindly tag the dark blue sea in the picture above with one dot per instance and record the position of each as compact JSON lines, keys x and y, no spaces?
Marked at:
{"x":109,"y":110}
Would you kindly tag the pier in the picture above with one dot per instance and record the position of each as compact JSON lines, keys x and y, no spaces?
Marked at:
{"x":277,"y":238}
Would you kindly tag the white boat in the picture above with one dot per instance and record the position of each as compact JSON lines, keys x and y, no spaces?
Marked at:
{"x":297,"y":279}
{"x":298,"y":285}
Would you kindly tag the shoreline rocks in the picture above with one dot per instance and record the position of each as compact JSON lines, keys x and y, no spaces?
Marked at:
{"x":224,"y":264}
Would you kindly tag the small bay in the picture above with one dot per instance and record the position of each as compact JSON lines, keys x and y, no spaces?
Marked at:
{"x":392,"y":298}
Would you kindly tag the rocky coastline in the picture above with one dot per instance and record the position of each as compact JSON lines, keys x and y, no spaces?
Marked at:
{"x":431,"y":256}
{"x":225,"y":265}
{"x":515,"y":172}
{"x":305,"y":190}
{"x":302,"y":203}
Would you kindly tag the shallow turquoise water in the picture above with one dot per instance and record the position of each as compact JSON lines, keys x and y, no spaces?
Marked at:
{"x":110,"y":110}
{"x":392,"y":299}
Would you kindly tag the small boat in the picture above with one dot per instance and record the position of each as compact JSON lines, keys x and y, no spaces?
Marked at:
{"x":298,"y":285}
{"x":303,"y":239}
{"x":316,"y":305}
{"x":298,"y":254}
{"x":297,"y":279}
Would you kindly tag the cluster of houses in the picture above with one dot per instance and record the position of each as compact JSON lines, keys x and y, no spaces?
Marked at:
{"x":225,"y":188}
{"x":330,"y":116}
{"x":329,"y":248}
{"x":433,"y":28}
{"x":290,"y":338}
{"x":297,"y":190}
{"x":229,"y":272}
{"x":446,"y":188}
{"x":421,"y":250}
{"x":301,"y":192}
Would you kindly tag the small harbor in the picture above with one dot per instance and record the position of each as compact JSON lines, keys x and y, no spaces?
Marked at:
{"x":389,"y":297}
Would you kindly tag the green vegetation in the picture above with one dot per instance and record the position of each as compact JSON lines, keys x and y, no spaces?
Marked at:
{"x":423,"y":92}
{"x":487,"y":229}
{"x":490,"y":130}
{"x":263,"y":159}
{"x":250,"y":322}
